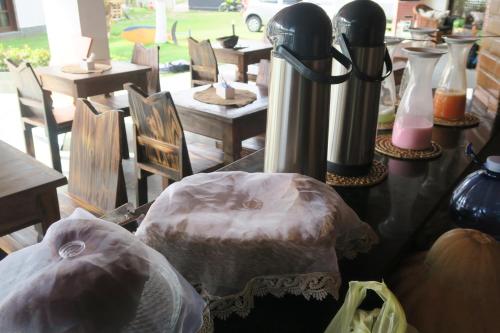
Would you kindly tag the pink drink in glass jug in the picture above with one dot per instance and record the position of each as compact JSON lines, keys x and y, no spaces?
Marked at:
{"x":415,"y":116}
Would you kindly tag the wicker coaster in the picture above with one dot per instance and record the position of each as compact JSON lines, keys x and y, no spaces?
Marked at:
{"x":385,"y":126}
{"x":383,"y":145}
{"x":470,"y":120}
{"x":76,"y":69}
{"x":377,"y":174}
{"x":241,"y":97}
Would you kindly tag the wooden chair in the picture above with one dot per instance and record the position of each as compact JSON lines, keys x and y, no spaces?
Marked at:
{"x":260,"y":73}
{"x":140,"y":56}
{"x":36,"y":109}
{"x":203,"y":67}
{"x":264,"y":73}
{"x":160,"y":142}
{"x":96,"y":181}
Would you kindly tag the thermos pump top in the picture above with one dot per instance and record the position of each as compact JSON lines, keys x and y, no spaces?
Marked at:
{"x":299,"y":90}
{"x":354,"y":104}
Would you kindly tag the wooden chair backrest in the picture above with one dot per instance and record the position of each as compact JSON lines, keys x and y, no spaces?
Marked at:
{"x":160,"y":142}
{"x":149,"y":57}
{"x":96,"y":178}
{"x":33,"y":100}
{"x":204,"y":68}
{"x":264,"y":73}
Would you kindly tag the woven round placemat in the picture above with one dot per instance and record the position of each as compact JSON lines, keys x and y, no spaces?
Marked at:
{"x":387,"y":126}
{"x":76,"y":69}
{"x":470,"y":120}
{"x":377,"y":174}
{"x":241,"y":97}
{"x":383,"y":145}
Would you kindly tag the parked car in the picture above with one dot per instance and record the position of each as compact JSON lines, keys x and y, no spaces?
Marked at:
{"x":331,"y":7}
{"x":257,"y":13}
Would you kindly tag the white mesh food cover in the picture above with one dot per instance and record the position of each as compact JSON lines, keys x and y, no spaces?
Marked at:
{"x":89,"y":275}
{"x":223,"y":229}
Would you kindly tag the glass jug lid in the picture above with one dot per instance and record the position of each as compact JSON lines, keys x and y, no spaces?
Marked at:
{"x":390,"y":40}
{"x":425,"y":52}
{"x":457,"y":39}
{"x":422,"y":31}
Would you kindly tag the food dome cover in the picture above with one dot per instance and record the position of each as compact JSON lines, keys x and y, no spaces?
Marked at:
{"x":223,"y":230}
{"x":89,"y":275}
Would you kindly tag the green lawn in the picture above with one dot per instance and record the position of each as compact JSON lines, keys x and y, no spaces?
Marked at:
{"x":202,"y":25}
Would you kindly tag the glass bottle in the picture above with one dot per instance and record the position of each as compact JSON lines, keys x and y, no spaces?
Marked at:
{"x":415,"y":116}
{"x":388,"y":97}
{"x":450,"y":99}
{"x":421,"y":37}
{"x":474,"y":203}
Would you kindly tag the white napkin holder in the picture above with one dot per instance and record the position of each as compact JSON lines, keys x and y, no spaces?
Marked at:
{"x":224,"y":90}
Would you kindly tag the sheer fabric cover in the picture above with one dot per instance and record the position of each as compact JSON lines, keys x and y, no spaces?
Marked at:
{"x":89,"y":275}
{"x":224,"y":229}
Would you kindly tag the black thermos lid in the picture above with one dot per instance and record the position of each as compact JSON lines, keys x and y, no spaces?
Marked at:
{"x":363,"y":22}
{"x":304,"y":29}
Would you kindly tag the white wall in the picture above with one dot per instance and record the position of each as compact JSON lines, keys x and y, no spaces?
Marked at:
{"x":93,"y":24}
{"x":67,"y":21}
{"x":29,"y":13}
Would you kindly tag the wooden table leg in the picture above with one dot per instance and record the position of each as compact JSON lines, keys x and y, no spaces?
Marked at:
{"x":143,"y":82}
{"x":49,"y":206}
{"x":242,"y":70}
{"x":231,"y":144}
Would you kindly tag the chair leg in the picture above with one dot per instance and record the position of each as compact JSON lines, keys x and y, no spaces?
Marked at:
{"x":28,"y":137}
{"x":165,"y":182}
{"x":123,"y":136}
{"x":66,"y":141}
{"x":54,"y":151}
{"x":142,"y":189}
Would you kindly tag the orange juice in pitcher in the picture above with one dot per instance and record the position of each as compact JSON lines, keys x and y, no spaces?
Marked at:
{"x":449,"y":105}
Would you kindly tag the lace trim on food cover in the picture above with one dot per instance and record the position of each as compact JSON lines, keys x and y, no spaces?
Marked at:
{"x":208,"y":323}
{"x":359,"y":240}
{"x":312,"y":285}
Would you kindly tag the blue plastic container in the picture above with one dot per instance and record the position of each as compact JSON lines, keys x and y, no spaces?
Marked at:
{"x":475,"y":203}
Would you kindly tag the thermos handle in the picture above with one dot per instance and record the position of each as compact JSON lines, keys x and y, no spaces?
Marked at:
{"x":311,"y":74}
{"x":344,"y":44}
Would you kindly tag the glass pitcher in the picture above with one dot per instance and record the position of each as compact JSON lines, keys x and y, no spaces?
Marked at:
{"x":388,"y":97}
{"x":450,"y":99}
{"x":421,"y":37}
{"x":415,"y":116}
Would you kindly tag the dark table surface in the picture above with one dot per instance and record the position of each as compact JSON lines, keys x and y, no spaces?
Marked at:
{"x":409,"y":210}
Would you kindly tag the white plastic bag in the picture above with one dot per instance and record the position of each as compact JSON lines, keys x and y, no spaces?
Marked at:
{"x":389,"y":319}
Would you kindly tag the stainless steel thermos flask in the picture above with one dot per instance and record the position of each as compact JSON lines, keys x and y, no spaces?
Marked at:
{"x":299,"y":90}
{"x":360,"y":25}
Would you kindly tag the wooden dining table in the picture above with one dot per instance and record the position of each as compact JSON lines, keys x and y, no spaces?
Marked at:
{"x":245,"y":53}
{"x":53,"y":79}
{"x":229,"y":124}
{"x":27,"y":191}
